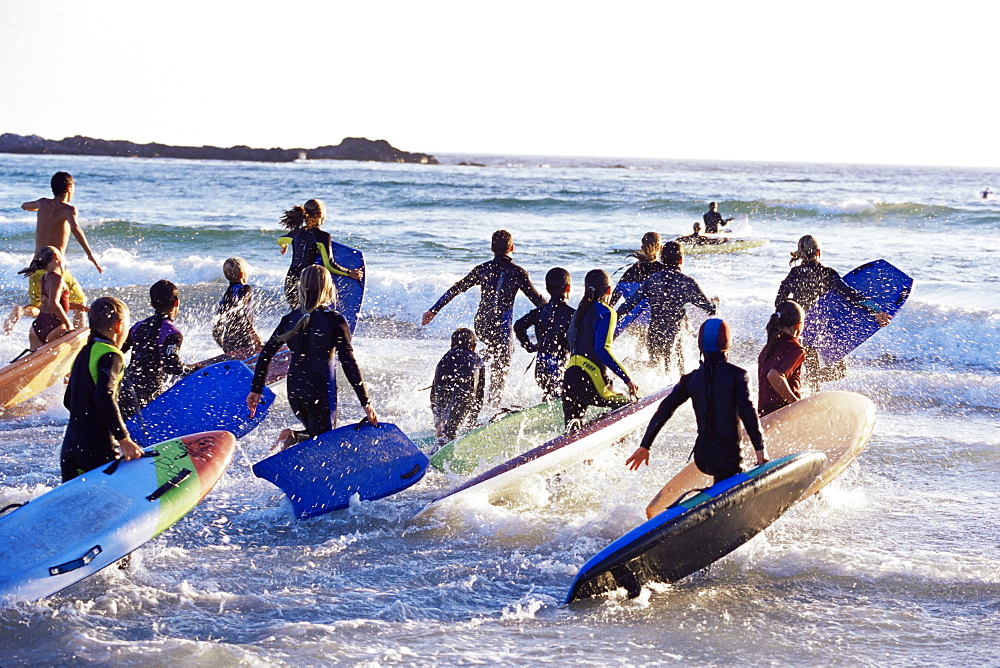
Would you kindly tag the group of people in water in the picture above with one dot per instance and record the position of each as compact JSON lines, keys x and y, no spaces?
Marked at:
{"x":574,"y":359}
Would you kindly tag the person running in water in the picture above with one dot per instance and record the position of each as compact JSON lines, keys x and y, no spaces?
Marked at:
{"x":779,"y":365}
{"x":457,"y":390}
{"x":310,"y":245}
{"x":806,"y":282}
{"x":720,"y":394}
{"x":667,"y":293}
{"x":500,"y":280}
{"x":313,"y":333}
{"x":551,"y":322}
{"x":52,"y":320}
{"x":648,"y":257}
{"x":591,"y":331}
{"x":233,"y":327}
{"x":713,"y":219}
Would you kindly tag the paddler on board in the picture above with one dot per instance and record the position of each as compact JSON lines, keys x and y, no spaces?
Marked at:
{"x":720,"y":394}
{"x":713,"y":219}
{"x":806,"y":282}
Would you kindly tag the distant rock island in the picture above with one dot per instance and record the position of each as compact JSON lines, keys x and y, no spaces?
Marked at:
{"x":351,"y":148}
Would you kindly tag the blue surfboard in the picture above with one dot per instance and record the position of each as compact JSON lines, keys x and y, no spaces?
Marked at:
{"x":210,"y":399}
{"x":322,"y":474}
{"x":834,"y":326}
{"x":639,"y":313}
{"x":699,"y":530}
{"x":350,"y":293}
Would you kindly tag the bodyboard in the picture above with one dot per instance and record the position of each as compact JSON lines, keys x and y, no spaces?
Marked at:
{"x":350,"y":293}
{"x":208,"y":399}
{"x":321,"y":474}
{"x":835,"y":327}
{"x":700,"y":530}
{"x":95,"y":519}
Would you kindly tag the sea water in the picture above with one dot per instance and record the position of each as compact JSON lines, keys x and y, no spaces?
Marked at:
{"x":895,"y":563}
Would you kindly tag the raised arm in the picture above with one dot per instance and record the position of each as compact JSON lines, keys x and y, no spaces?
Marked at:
{"x":74,"y":226}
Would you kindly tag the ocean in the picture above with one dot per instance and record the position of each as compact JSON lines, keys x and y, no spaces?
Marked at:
{"x":895,"y":563}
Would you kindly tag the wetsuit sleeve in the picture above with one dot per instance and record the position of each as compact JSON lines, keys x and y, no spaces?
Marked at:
{"x":267,"y":353}
{"x":521,"y":327}
{"x":696,"y":297}
{"x":326,"y":252}
{"x":172,"y":354}
{"x":529,"y":290}
{"x":604,"y":335}
{"x":109,"y":370}
{"x":849,"y":293}
{"x":747,"y":413}
{"x":345,"y":352}
{"x":473,"y":278}
{"x":480,"y":387}
{"x":632,"y":301}
{"x":784,"y":290}
{"x":664,"y":412}
{"x":285,"y":241}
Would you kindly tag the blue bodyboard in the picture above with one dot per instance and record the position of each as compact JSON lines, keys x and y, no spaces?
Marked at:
{"x":640,"y":313}
{"x":699,"y":530}
{"x":322,"y":474}
{"x":208,"y":399}
{"x":834,"y":326}
{"x":350,"y":293}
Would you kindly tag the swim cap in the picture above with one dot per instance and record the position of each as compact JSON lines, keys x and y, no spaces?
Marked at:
{"x":713,"y":337}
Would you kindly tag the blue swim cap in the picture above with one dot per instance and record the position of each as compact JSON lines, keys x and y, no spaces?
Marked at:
{"x":713,"y":337}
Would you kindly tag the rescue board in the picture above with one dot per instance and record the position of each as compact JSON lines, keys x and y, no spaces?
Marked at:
{"x":28,"y":376}
{"x":721,"y":244}
{"x":95,"y":519}
{"x":321,"y":474}
{"x":835,"y":327}
{"x":557,"y":454}
{"x":209,"y":399}
{"x":699,"y":530}
{"x":838,"y":424}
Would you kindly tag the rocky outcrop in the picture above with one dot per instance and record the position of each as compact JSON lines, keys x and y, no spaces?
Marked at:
{"x":351,"y":148}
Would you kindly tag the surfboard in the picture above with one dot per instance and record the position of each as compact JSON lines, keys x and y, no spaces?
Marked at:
{"x":834,"y":326}
{"x":700,"y":530}
{"x":721,"y":244}
{"x":321,"y":474}
{"x":28,"y":376}
{"x":209,"y":399}
{"x":558,"y":454}
{"x":95,"y":519}
{"x":838,"y":424}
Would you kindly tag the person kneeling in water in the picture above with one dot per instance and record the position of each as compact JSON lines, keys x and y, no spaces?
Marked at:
{"x":313,"y":332}
{"x":720,"y":393}
{"x":591,"y":332}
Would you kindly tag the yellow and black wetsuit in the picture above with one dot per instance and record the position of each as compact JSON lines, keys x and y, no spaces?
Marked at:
{"x":309,"y":246}
{"x":95,"y":423}
{"x":586,"y":382}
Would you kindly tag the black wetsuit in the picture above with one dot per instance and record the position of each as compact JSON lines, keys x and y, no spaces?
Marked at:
{"x":551,"y":322}
{"x":586,"y":382}
{"x":500,"y":280}
{"x":667,"y":293}
{"x":713,"y":221}
{"x":717,"y":447}
{"x":309,"y":246}
{"x":95,"y":423}
{"x":156,"y":345}
{"x":457,"y":392}
{"x":312,"y":377}
{"x":233,"y":328}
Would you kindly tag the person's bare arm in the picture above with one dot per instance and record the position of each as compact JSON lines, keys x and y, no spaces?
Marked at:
{"x":781,"y":386}
{"x":56,"y":287}
{"x":74,"y":225}
{"x":30,"y":206}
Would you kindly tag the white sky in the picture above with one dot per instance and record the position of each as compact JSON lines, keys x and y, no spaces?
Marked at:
{"x":878,"y":82}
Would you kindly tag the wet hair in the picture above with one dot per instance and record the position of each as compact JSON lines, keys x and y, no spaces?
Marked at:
{"x":105,"y":312}
{"x":162,"y":295}
{"x":463,"y":337}
{"x":712,"y":205}
{"x":41,"y":260}
{"x":502,"y":242}
{"x":595,"y":286}
{"x":696,"y":228}
{"x":651,"y":247}
{"x":316,"y":289}
{"x":806,"y":251}
{"x":61,"y":181}
{"x":234,"y":267}
{"x":308,"y":215}
{"x":786,"y":314}
{"x":672,"y":254}
{"x":556,"y":280}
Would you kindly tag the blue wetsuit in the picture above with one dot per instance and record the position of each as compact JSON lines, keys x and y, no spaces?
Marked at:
{"x":586,"y":382}
{"x":500,"y":280}
{"x":312,"y":377}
